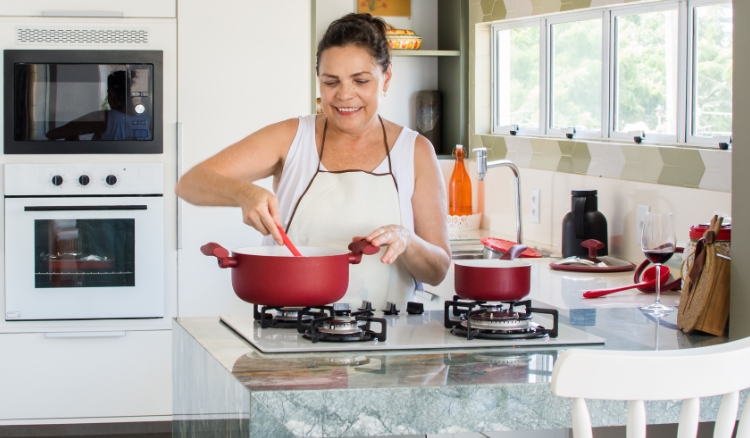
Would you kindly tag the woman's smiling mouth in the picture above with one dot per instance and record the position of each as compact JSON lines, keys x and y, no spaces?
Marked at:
{"x":348,"y":110}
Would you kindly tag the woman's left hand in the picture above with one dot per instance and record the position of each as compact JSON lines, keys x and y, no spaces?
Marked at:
{"x":396,"y":237}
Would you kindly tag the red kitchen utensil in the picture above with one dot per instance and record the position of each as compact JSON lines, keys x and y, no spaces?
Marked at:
{"x":493,"y":279}
{"x":269,"y":276}
{"x":649,"y":277}
{"x":502,"y":246}
{"x":675,"y":284}
{"x":288,"y":243}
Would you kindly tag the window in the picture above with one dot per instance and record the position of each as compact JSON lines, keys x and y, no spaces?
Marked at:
{"x":645,"y":73}
{"x":662,"y":69}
{"x":576,"y":75}
{"x":711,"y":71}
{"x":518,"y":78}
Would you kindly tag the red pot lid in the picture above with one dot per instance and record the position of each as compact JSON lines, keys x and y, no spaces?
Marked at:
{"x":697,"y":231}
{"x":503,"y":245}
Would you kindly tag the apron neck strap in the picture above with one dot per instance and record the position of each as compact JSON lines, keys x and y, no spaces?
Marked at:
{"x":385,"y":142}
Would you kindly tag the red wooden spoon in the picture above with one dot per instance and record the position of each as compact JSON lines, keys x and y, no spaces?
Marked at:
{"x":649,"y":277}
{"x":288,"y":243}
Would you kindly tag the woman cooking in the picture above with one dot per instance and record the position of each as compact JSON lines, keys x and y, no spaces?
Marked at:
{"x":344,"y":173}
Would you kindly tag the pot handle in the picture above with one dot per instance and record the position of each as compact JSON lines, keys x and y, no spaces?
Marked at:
{"x":218,"y":251}
{"x":359,"y":247}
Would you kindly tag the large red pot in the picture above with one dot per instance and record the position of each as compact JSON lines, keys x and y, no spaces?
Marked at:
{"x":492,"y":279}
{"x":271,"y":276}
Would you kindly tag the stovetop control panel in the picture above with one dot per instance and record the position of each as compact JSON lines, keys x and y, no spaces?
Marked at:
{"x":84,"y":179}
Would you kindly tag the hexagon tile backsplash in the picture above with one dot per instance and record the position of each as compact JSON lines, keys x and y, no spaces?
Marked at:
{"x":674,"y":166}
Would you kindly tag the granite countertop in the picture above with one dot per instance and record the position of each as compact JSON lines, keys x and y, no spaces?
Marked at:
{"x":222,"y":380}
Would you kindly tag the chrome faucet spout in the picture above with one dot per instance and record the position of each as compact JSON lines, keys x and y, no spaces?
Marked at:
{"x":483,"y":166}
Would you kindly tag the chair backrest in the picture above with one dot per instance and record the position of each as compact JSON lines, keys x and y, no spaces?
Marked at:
{"x":638,"y":376}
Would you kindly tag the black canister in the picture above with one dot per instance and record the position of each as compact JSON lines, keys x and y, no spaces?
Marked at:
{"x":584,"y":222}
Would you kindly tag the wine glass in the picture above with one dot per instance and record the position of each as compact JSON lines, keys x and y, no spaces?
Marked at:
{"x":658,"y":244}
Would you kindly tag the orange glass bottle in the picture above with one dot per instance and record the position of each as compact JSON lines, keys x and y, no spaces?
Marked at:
{"x":459,"y":187}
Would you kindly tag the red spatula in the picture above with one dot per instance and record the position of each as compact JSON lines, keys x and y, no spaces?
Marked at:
{"x":288,"y":243}
{"x":650,"y":280}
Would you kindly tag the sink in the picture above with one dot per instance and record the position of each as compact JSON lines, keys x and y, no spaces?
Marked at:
{"x":462,"y":254}
{"x":476,"y":253}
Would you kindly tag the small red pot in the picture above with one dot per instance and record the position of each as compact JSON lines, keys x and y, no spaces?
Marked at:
{"x":492,"y":279}
{"x":271,"y":276}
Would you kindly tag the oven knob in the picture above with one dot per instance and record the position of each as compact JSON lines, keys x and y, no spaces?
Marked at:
{"x":111,"y":180}
{"x":84,"y":180}
{"x":140,"y":108}
{"x":57,"y":180}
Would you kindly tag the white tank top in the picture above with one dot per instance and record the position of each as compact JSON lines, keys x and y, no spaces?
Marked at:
{"x":302,"y":162}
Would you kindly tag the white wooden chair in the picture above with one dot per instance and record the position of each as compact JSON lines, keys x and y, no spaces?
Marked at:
{"x":638,"y":376}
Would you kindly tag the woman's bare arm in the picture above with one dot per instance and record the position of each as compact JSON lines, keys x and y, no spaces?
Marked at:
{"x":426,"y":251}
{"x":226,"y":179}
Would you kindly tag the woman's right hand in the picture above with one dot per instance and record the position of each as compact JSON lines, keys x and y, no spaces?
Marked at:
{"x":260,"y":210}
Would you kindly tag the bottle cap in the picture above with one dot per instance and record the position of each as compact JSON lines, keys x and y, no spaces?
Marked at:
{"x":459,"y":146}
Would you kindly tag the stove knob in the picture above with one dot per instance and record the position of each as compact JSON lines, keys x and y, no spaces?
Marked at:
{"x":413,"y":308}
{"x":390,"y":309}
{"x":111,"y":180}
{"x":57,"y":180}
{"x":84,"y":180}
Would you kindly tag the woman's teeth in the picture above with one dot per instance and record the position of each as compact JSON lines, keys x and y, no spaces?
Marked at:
{"x":348,"y":110}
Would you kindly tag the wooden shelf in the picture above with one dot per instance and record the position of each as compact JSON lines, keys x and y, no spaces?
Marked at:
{"x":401,"y":52}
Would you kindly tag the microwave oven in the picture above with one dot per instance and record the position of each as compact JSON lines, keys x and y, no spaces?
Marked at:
{"x":83,"y":101}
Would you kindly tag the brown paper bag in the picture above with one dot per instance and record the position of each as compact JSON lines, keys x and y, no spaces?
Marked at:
{"x":704,"y":304}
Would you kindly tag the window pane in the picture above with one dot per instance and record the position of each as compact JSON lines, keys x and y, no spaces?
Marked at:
{"x":518,"y":74}
{"x":577,"y":74}
{"x":646,"y":54}
{"x":713,"y":70}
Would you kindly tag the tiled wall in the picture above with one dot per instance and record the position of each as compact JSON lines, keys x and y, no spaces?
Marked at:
{"x":682,"y":167}
{"x":675,"y":166}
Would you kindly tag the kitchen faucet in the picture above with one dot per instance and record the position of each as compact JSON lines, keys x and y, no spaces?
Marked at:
{"x":483,"y":165}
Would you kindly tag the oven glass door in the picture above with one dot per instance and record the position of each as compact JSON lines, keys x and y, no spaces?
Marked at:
{"x":84,"y":258}
{"x":84,"y":252}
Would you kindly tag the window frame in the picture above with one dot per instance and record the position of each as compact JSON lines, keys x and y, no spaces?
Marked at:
{"x":685,"y":74}
{"x":569,"y":18}
{"x":496,"y":28}
{"x":690,"y":86}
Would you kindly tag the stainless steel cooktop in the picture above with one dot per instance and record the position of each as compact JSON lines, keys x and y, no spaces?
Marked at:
{"x":404,"y":332}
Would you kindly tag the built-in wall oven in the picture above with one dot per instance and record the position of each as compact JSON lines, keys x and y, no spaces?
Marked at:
{"x":84,"y":241}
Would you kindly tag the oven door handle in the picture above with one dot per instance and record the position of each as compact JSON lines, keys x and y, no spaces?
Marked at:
{"x":85,"y":207}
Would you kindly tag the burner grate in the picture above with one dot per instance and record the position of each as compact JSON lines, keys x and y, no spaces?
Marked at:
{"x":478,"y":319}
{"x":320,"y":328}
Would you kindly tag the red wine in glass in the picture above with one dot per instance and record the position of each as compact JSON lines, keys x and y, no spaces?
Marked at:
{"x":659,"y":256}
{"x":658,"y":242}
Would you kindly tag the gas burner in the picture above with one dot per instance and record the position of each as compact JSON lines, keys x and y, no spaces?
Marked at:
{"x":283,"y":317}
{"x":339,"y":324}
{"x":479,"y":319}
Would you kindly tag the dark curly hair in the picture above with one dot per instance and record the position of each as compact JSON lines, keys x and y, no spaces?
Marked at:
{"x":361,"y":30}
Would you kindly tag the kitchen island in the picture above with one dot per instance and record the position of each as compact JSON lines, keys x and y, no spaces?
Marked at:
{"x":223,"y":386}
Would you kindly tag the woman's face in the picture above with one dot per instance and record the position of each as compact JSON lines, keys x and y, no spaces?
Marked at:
{"x":350,"y":86}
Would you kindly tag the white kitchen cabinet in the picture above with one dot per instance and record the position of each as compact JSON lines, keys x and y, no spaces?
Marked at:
{"x":92,"y":375}
{"x":89,"y":8}
{"x":242,"y":65}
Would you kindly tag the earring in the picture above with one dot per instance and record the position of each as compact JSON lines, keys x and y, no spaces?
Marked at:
{"x":384,"y":92}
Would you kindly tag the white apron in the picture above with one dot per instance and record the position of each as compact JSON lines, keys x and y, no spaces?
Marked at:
{"x":337,"y":206}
